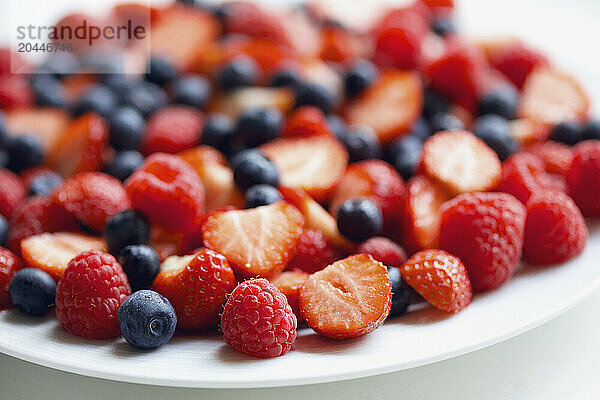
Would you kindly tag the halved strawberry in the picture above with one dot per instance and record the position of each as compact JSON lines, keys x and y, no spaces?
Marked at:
{"x":390,"y":106}
{"x":306,"y":121}
{"x":314,"y":164}
{"x":556,"y":156}
{"x":259,"y":241}
{"x":47,"y":124}
{"x":349,"y":298}
{"x":461,"y":162}
{"x":339,"y":44}
{"x":289,"y":283}
{"x":526,"y":131}
{"x":166,"y":243}
{"x":51,"y":252}
{"x":550,"y":96}
{"x":235,"y":102}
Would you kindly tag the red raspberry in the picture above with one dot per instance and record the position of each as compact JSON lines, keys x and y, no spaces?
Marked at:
{"x":583,"y":179}
{"x":383,"y":250}
{"x":89,"y":294}
{"x":196,"y":286}
{"x":173,"y":129}
{"x":314,"y":252}
{"x":258,"y":321}
{"x":306,"y":121}
{"x":9,"y":265}
{"x":555,"y":230}
{"x":485,"y":230}
{"x":168,"y":192}
{"x":15,"y":92}
{"x":92,"y":197}
{"x":12,"y":192}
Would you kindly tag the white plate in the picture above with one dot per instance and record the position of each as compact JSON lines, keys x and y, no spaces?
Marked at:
{"x":424,"y":336}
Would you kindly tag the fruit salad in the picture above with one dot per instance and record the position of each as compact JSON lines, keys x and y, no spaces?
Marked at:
{"x":275,"y":170}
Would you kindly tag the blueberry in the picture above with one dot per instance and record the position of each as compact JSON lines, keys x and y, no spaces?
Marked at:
{"x":400,"y":293}
{"x":60,"y":64}
{"x":446,"y":122}
{"x":3,"y":231}
{"x":405,"y":154}
{"x":337,"y":126}
{"x":25,"y":152}
{"x":147,"y":319}
{"x":359,"y":219}
{"x":99,"y":99}
{"x":190,"y":90}
{"x":362,"y":143}
{"x":252,"y":169}
{"x":44,"y":184}
{"x":567,"y":132}
{"x":502,"y":102}
{"x":261,"y":195}
{"x":32,"y":291}
{"x":241,"y":71}
{"x":145,"y":97}
{"x":126,"y":129}
{"x":285,"y":77}
{"x":359,"y":77}
{"x":434,"y":103}
{"x":259,"y":125}
{"x":48,"y":92}
{"x":592,"y":130}
{"x":124,"y":229}
{"x":495,"y":132}
{"x":160,"y":71}
{"x":119,"y":83}
{"x":442,"y":26}
{"x":314,"y":94}
{"x":141,"y":264}
{"x":238,"y":157}
{"x":3,"y":133}
{"x":124,"y":163}
{"x":421,"y":129}
{"x":4,"y":158}
{"x":218,"y":131}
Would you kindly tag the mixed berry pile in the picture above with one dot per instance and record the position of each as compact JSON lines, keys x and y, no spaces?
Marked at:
{"x":276,"y":168}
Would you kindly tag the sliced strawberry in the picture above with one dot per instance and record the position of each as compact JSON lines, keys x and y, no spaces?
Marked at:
{"x":246,"y":18}
{"x":306,"y":121}
{"x":166,"y":243}
{"x":259,"y":241}
{"x":339,"y":44}
{"x":556,"y":156}
{"x":390,"y":106}
{"x":349,"y":298}
{"x":526,"y":131}
{"x":314,"y":252}
{"x":461,"y":162}
{"x":289,"y":283}
{"x":237,"y":101}
{"x":314,"y":164}
{"x":550,"y":96}
{"x":47,"y":124}
{"x":51,"y":252}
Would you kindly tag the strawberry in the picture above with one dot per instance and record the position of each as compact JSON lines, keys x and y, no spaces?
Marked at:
{"x":420,"y":214}
{"x":306,"y":121}
{"x":314,"y":252}
{"x":51,"y":252}
{"x":383,"y":250}
{"x":81,"y":146}
{"x":250,"y":20}
{"x":47,"y":124}
{"x":413,"y":17}
{"x":375,"y":180}
{"x":12,"y":192}
{"x":349,"y":298}
{"x":440,"y":278}
{"x":78,"y":42}
{"x":555,"y":230}
{"x":437,"y":5}
{"x":15,"y":92}
{"x":197,"y":286}
{"x":165,"y":243}
{"x":237,"y":101}
{"x":11,"y":61}
{"x":172,"y":129}
{"x":10,"y":264}
{"x":461,"y":162}
{"x":339,"y":44}
{"x":557,"y":157}
{"x":398,"y":39}
{"x":168,"y":192}
{"x":390,"y":106}
{"x":258,"y":241}
{"x":550,"y":96}
{"x":92,"y":197}
{"x":289,"y":283}
{"x":525,"y":131}
{"x":314,"y":164}
{"x":515,"y":60}
{"x":485,"y":230}
{"x":584,"y":176}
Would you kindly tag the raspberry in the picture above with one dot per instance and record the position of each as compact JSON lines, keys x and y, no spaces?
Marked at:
{"x":12,"y":192}
{"x":306,"y":121}
{"x":555,"y":230}
{"x":583,"y":178}
{"x":173,"y":129}
{"x":9,"y":265}
{"x":92,"y":197}
{"x":88,"y":296}
{"x":168,"y":192}
{"x":258,"y":321}
{"x":314,"y":252}
{"x":383,"y":250}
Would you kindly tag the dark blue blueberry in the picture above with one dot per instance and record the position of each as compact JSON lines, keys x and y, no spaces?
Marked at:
{"x":285,"y":77}
{"x":400,"y":293}
{"x":251,"y":168}
{"x":190,"y":90}
{"x":242,"y":155}
{"x":259,"y":125}
{"x":443,"y":26}
{"x":502,"y":102}
{"x":362,"y":143}
{"x":495,"y":132}
{"x":44,"y":184}
{"x":446,"y":122}
{"x":124,"y":163}
{"x":126,"y":129}
{"x":60,"y":64}
{"x":160,"y":71}
{"x":567,"y":132}
{"x":592,"y":130}
{"x":119,"y":83}
{"x":239,"y":72}
{"x":145,"y":97}
{"x":124,"y":229}
{"x":25,"y":152}
{"x":48,"y":91}
{"x":314,"y":94}
{"x":261,"y":195}
{"x":147,"y":319}
{"x":359,"y":219}
{"x":4,"y":158}
{"x":32,"y":291}
{"x":3,"y":231}
{"x":218,"y":131}
{"x":3,"y":132}
{"x":405,"y":154}
{"x":337,"y":126}
{"x":434,"y":103}
{"x":359,"y":77}
{"x":421,"y":129}
{"x":99,"y":99}
{"x":141,"y":264}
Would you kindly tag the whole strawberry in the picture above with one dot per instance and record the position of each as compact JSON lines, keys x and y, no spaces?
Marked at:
{"x":555,"y":230}
{"x":485,"y":230}
{"x":89,"y":294}
{"x":257,"y":320}
{"x":9,"y":265}
{"x":583,"y":178}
